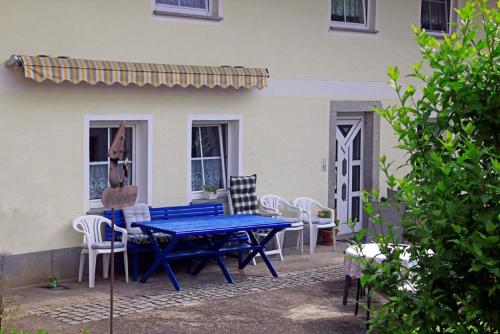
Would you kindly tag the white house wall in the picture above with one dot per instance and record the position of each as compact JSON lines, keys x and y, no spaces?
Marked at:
{"x":285,"y":125}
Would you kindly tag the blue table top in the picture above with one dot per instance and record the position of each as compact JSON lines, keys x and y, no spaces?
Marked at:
{"x":213,"y":224}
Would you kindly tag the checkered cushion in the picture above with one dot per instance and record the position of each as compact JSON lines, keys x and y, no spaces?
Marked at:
{"x":243,"y":194}
{"x":142,"y":239}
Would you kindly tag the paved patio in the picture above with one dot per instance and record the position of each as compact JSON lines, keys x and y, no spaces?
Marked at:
{"x":306,"y":298}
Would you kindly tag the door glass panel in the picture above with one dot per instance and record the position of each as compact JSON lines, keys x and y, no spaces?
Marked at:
{"x":210,"y":141}
{"x":344,"y":191}
{"x":344,"y":129}
{"x":196,"y":176}
{"x":356,"y":147}
{"x":344,"y":167}
{"x":355,"y":209}
{"x":356,"y":178}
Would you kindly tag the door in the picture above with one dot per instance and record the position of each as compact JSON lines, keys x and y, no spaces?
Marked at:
{"x":349,"y":170}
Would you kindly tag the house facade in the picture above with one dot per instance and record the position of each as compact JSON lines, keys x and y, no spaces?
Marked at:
{"x":311,"y":132}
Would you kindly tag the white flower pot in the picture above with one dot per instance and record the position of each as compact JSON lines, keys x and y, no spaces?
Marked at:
{"x":209,"y":195}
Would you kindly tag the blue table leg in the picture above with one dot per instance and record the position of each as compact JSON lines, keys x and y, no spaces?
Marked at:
{"x":215,"y":247}
{"x":260,"y":250}
{"x":160,"y":259}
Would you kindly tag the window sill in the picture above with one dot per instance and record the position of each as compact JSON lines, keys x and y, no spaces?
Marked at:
{"x":186,"y":15}
{"x":353,"y":29}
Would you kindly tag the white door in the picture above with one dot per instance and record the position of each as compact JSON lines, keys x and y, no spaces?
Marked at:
{"x":349,"y":167}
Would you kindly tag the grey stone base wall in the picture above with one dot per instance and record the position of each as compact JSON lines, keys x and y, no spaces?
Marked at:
{"x":36,"y":268}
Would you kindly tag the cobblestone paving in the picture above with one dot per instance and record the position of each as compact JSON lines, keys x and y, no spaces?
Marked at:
{"x":78,"y":314}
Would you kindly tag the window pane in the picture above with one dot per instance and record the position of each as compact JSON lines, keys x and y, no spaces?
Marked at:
{"x":438,"y":16}
{"x":425,"y":20}
{"x":213,"y":173}
{"x":128,"y":140}
{"x":196,"y":176}
{"x":195,"y":143}
{"x":98,"y":144}
{"x":356,"y":178}
{"x":199,"y":4}
{"x":210,"y":141}
{"x":168,"y":2}
{"x":98,"y":180}
{"x":354,"y":11}
{"x":338,"y":10}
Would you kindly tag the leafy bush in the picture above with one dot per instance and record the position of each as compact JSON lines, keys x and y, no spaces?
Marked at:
{"x":451,"y":133}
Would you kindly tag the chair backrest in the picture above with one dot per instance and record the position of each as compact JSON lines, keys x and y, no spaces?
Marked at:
{"x":272,"y":201}
{"x":170,"y":212}
{"x":243,"y":192}
{"x":305,"y":203}
{"x":91,"y":227}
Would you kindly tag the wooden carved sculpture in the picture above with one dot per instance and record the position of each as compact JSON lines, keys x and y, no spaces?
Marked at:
{"x":118,"y":195}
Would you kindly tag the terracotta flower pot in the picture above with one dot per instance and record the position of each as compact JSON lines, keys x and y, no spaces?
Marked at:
{"x":326,"y":237}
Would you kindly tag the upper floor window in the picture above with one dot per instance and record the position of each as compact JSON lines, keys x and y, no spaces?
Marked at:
{"x":353,"y":15}
{"x":436,"y":15}
{"x":208,"y":9}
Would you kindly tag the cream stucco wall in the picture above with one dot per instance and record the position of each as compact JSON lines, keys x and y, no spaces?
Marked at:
{"x":285,"y":126}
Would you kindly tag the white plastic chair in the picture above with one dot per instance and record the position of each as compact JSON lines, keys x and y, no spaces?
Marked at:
{"x":309,"y":209}
{"x":93,"y":244}
{"x":279,"y":207}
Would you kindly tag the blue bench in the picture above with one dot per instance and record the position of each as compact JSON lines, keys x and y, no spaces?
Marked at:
{"x":164,"y":213}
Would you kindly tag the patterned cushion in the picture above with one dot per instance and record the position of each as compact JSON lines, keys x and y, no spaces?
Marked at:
{"x":137,"y":213}
{"x":321,"y":221}
{"x":243,"y":194}
{"x":107,"y":245}
{"x":142,"y":239}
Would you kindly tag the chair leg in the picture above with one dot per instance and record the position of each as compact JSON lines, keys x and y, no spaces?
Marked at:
{"x":105,"y":265}
{"x":346,"y":289}
{"x":302,"y":242}
{"x":313,"y":237}
{"x":358,"y":292}
{"x":80,"y":270}
{"x":125,"y":262}
{"x":279,"y":240}
{"x":92,"y":261}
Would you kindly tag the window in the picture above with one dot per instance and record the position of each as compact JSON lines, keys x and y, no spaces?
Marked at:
{"x":435,"y":15}
{"x":208,"y":161}
{"x":186,"y":6}
{"x":353,"y":15}
{"x":99,"y":131}
{"x":100,"y":138}
{"x":208,"y":9}
{"x":214,"y":152}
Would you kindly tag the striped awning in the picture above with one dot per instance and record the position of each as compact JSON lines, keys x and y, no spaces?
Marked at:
{"x":60,"y":69}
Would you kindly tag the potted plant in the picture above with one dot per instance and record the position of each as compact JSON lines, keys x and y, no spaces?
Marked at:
{"x":210,"y":192}
{"x":53,"y":282}
{"x":326,"y":234}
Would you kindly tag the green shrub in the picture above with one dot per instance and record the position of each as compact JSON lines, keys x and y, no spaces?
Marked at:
{"x":451,"y":134}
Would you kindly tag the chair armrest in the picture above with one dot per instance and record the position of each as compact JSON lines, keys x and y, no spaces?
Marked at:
{"x":124,"y":233}
{"x":268,"y":212}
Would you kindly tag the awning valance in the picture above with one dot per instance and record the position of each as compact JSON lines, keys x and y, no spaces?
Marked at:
{"x":59,"y":69}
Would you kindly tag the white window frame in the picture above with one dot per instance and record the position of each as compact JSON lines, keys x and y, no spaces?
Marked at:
{"x":96,"y":203}
{"x":369,"y":11}
{"x":142,"y":125}
{"x":186,"y":10}
{"x":222,"y":156}
{"x":212,"y":12}
{"x":234,"y":152}
{"x":452,"y":17}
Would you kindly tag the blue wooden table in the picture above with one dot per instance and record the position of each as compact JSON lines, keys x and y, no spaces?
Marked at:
{"x":214,"y":233}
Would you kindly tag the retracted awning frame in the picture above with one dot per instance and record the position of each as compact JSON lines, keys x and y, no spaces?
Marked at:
{"x":60,"y":69}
